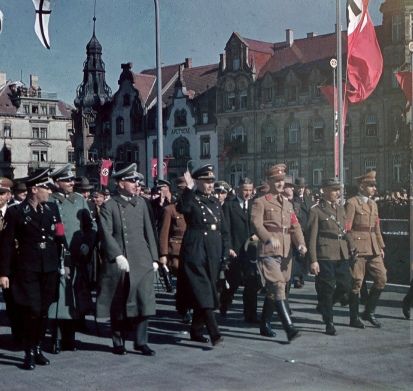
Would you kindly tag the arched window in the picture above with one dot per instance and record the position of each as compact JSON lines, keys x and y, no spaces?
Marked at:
{"x":180,"y":148}
{"x":180,"y":117}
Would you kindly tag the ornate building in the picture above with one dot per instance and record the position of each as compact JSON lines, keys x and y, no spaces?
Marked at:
{"x":35,"y":128}
{"x":269,"y":107}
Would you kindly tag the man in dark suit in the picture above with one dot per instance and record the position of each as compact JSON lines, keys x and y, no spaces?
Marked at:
{"x":237,"y":213}
{"x":128,"y":242}
{"x":33,"y":227}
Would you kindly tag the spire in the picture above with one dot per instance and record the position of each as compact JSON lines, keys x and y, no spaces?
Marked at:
{"x":93,"y":92}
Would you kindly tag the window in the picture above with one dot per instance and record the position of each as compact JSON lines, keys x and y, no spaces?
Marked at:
{"x":235,"y":64}
{"x":396,"y":22}
{"x":126,"y":100}
{"x":35,"y":132}
{"x":129,"y":156}
{"x":231,"y":101}
{"x":43,"y":133}
{"x":292,"y":94}
{"x":136,"y":154}
{"x":267,"y":94}
{"x":237,"y":172}
{"x":26,"y":109}
{"x":180,"y":148}
{"x":371,"y":126}
{"x":317,"y":176}
{"x":120,"y":125}
{"x":293,"y":168}
{"x":205,"y":147}
{"x":243,"y":100}
{"x":397,"y":169}
{"x":369,"y":165}
{"x":52,"y":110}
{"x":180,"y":118}
{"x":293,"y":132}
{"x":269,"y":139}
{"x":35,"y":109}
{"x":7,"y":130}
{"x":71,"y":156}
{"x":92,"y":155}
{"x":43,"y":109}
{"x":39,"y":156}
{"x":204,"y":118}
{"x":318,"y":127}
{"x":238,"y":134}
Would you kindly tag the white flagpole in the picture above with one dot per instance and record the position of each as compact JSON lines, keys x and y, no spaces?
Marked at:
{"x":340,"y":99}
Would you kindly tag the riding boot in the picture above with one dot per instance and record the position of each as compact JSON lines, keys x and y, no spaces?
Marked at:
{"x":282,"y":311}
{"x":212,"y":327}
{"x":355,"y":321}
{"x":267,"y":311}
{"x":40,"y":333}
{"x":371,"y":307}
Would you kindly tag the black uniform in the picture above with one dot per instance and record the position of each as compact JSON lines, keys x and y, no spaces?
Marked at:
{"x":204,"y":245}
{"x":30,"y":250}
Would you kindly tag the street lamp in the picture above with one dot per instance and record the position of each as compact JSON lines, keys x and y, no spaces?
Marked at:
{"x":159,"y":94}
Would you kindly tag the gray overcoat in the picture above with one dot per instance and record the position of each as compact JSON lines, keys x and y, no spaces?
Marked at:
{"x":126,"y":229}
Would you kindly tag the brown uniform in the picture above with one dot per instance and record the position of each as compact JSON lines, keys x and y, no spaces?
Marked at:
{"x":363,"y":225}
{"x":273,"y":217}
{"x":170,"y":236}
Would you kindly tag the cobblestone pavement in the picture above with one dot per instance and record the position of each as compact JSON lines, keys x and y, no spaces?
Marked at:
{"x":370,"y":359}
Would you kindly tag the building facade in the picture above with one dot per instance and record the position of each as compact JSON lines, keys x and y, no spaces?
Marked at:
{"x":35,"y":128}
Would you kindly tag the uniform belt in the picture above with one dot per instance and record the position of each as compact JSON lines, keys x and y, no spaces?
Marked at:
{"x":208,"y":227}
{"x":361,"y":228}
{"x":331,"y":235}
{"x":284,"y":230}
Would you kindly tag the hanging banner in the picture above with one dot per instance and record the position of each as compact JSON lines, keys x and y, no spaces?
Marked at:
{"x":104,"y":172}
{"x":41,"y":25}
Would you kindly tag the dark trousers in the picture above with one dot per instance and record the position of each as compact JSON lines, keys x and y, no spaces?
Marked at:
{"x":333,"y":275}
{"x":204,"y":317}
{"x":120,"y":330}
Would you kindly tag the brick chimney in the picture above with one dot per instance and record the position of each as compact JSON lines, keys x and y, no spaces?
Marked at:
{"x":222,"y":62}
{"x":289,"y":37}
{"x":188,"y":62}
{"x":311,"y":35}
{"x":34,"y":82}
{"x":3,"y":78}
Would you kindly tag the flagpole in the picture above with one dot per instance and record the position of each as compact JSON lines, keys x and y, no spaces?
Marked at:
{"x":340,"y":99}
{"x":159,"y":94}
{"x":411,"y":163}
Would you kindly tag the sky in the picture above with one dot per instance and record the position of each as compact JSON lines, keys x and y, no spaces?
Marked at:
{"x":198,"y":29}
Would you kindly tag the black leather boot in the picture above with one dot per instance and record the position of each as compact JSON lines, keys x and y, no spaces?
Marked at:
{"x":355,"y":321}
{"x":282,"y":311}
{"x":40,"y":359}
{"x":212,"y":327}
{"x":267,"y":311}
{"x":371,"y":307}
{"x":29,"y":359}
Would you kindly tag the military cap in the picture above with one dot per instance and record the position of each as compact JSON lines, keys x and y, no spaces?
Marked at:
{"x":300,"y":182}
{"x":162,"y":183}
{"x":221,"y":186}
{"x":129,"y":172}
{"x":204,"y":172}
{"x":19,"y":186}
{"x":332,"y":183}
{"x":98,"y":193}
{"x":288,"y":181}
{"x":180,"y":182}
{"x":64,"y":173}
{"x":5,"y":185}
{"x":83,"y":184}
{"x":39,"y":178}
{"x":277,"y":171}
{"x":367,"y":179}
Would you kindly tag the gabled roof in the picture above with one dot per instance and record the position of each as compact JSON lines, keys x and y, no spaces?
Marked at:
{"x":144,"y":84}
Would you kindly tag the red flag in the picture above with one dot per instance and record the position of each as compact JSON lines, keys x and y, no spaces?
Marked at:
{"x":330,"y":93}
{"x":154,"y":167}
{"x":364,"y":59}
{"x":405,"y":81}
{"x":104,"y":172}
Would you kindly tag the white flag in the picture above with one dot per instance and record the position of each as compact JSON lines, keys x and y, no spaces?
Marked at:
{"x":1,"y":21}
{"x":41,"y":26}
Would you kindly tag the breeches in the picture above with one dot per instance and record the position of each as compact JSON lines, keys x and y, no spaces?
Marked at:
{"x":35,"y":290}
{"x":276,"y":272}
{"x":374,"y":265}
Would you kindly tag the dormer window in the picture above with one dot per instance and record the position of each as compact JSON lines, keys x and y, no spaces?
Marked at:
{"x":235,"y":64}
{"x":35,"y":109}
{"x":52,"y":110}
{"x":126,"y":100}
